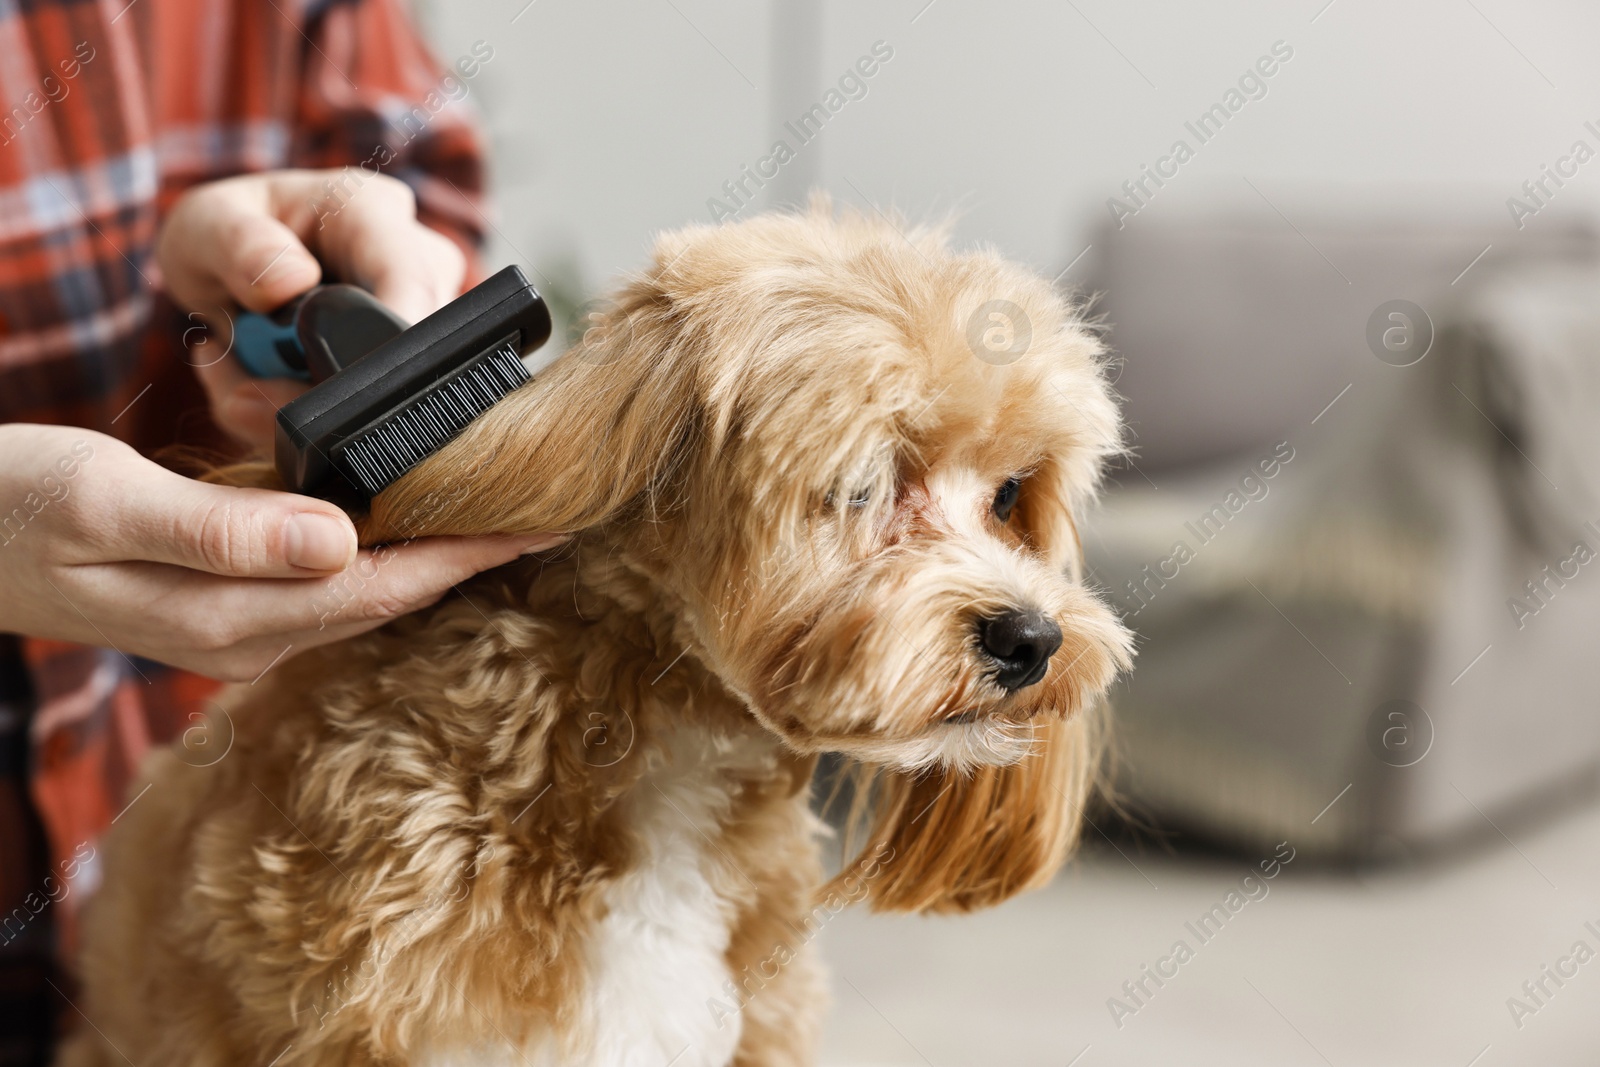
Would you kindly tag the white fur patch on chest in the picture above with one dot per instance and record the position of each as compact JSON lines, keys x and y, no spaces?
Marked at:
{"x":657,"y":960}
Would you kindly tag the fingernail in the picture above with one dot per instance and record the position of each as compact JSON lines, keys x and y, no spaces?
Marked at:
{"x":298,"y":260}
{"x":288,"y":266}
{"x":318,"y":542}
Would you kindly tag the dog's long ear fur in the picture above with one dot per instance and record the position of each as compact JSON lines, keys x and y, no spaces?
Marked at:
{"x":590,"y":435}
{"x":950,"y":841}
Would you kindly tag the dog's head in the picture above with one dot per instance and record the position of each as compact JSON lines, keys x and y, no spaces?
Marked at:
{"x":851,"y":458}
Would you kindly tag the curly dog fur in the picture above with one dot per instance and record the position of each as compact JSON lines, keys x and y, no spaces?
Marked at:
{"x":562,"y":816}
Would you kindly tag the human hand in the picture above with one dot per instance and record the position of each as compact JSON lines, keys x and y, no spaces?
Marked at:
{"x":100,"y":546}
{"x":255,"y":242}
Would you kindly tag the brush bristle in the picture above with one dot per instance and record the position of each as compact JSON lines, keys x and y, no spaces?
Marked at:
{"x":431,"y":420}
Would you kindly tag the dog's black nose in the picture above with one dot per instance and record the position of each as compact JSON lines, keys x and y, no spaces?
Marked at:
{"x":1021,"y":644}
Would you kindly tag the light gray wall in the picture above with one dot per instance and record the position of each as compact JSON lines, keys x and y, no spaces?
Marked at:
{"x":612,"y":120}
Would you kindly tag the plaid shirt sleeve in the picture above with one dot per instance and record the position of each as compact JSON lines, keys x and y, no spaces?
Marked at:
{"x":108,"y":112}
{"x":350,"y":110}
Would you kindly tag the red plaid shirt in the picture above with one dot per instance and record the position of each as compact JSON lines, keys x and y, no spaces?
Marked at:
{"x":108,"y":111}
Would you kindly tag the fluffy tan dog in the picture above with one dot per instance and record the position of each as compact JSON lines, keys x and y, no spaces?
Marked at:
{"x":823,"y":475}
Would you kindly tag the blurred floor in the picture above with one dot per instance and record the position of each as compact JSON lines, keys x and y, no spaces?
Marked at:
{"x":1398,"y":967}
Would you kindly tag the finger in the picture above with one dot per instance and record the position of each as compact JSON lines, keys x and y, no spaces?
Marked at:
{"x":208,"y":613}
{"x":376,"y":241}
{"x":394,"y":580}
{"x":421,"y":274}
{"x":250,"y":411}
{"x":233,"y":628}
{"x":162,"y":517}
{"x":244,"y":406}
{"x":255,"y":659}
{"x":223,"y":244}
{"x":182,"y":616}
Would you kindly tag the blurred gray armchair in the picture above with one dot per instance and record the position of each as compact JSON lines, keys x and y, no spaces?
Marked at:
{"x":1322,"y":551}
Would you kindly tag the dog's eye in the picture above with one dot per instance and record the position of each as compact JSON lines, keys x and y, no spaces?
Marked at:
{"x":855,"y":498}
{"x":1006,"y":499}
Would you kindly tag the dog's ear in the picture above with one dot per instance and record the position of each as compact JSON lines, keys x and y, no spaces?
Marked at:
{"x":950,"y":841}
{"x":593,"y":433}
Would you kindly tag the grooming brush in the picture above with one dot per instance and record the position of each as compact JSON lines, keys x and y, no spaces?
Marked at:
{"x":385,"y":397}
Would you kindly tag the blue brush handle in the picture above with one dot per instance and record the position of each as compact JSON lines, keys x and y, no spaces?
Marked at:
{"x":314,"y":336}
{"x":262,"y":342}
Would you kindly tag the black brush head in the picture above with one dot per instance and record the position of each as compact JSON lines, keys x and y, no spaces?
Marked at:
{"x":350,"y":436}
